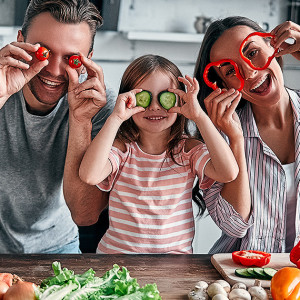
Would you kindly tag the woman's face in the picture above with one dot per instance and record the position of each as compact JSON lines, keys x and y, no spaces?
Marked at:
{"x":262,"y":87}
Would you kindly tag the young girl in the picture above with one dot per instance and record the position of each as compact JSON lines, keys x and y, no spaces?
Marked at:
{"x":263,"y":134}
{"x":142,"y":156}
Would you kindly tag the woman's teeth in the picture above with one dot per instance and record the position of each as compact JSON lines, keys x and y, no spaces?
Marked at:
{"x":259,"y":83}
{"x":50,"y":82}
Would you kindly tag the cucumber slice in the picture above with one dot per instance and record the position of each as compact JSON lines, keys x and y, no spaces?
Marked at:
{"x":167,"y":99}
{"x":143,"y":98}
{"x":242,"y":273}
{"x":260,"y":273}
{"x":251,"y":272}
{"x":270,"y":272}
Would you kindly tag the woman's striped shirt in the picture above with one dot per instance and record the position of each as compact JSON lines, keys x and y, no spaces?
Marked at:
{"x":266,"y":228}
{"x":150,"y":202}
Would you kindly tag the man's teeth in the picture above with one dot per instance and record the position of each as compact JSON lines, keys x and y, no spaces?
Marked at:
{"x":50,"y":82}
{"x":155,"y":118}
{"x":260,"y":82}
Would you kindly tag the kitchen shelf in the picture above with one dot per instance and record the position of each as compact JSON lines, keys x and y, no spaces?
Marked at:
{"x":164,"y":36}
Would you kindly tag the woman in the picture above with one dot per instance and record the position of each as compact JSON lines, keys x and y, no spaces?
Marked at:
{"x":259,"y":209}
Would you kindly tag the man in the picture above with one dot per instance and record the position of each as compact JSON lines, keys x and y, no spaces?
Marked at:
{"x":48,"y":116}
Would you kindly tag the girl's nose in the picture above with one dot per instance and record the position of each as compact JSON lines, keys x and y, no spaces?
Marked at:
{"x":155,"y":105}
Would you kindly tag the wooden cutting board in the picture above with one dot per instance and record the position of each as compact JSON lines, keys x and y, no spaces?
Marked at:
{"x":226,"y":267}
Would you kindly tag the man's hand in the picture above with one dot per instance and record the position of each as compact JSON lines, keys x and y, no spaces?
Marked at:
{"x":16,"y":68}
{"x":86,"y":98}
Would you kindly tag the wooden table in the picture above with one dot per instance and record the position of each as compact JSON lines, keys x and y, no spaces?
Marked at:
{"x":175,"y":275}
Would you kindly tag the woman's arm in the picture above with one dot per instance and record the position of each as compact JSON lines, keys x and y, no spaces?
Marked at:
{"x":236,"y":192}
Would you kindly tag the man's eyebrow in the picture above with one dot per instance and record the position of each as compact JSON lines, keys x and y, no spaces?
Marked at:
{"x":224,"y":64}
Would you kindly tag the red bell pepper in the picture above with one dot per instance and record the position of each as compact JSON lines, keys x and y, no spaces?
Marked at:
{"x":251,"y":258}
{"x":295,"y":255}
{"x":248,"y":61}
{"x":217,"y":64}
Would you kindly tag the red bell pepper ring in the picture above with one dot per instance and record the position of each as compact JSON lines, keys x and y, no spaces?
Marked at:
{"x":251,"y":258}
{"x":217,"y":64}
{"x":248,"y":61}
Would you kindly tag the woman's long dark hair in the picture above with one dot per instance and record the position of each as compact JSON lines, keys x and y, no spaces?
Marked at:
{"x":214,"y":31}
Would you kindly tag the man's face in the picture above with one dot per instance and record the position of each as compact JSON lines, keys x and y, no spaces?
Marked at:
{"x":63,"y":40}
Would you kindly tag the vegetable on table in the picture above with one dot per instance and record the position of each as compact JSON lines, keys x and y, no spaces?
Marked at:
{"x":42,"y":53}
{"x":21,"y":291}
{"x":7,"y":278}
{"x":3,"y":289}
{"x":251,"y":258}
{"x":285,"y":284}
{"x":295,"y":255}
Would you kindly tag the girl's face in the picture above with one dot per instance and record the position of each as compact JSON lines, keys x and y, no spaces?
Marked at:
{"x":155,"y":118}
{"x":263,"y":87}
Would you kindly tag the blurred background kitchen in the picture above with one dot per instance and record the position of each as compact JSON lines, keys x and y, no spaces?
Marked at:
{"x":171,"y":28}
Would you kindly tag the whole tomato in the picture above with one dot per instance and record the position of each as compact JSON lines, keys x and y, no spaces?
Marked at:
{"x":42,"y":53}
{"x":75,"y":61}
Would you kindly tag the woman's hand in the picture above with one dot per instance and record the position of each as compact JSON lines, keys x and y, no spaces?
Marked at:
{"x":190,"y":108}
{"x":220,"y":106}
{"x":126,"y":105}
{"x":283,"y":32}
{"x":17,"y":68}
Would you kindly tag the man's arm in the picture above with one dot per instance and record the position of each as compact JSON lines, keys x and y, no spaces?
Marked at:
{"x":85,"y":99}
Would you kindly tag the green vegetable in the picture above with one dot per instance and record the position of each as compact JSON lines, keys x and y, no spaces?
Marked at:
{"x":114,"y":284}
{"x":167,"y":99}
{"x":143,"y":98}
{"x":258,"y":273}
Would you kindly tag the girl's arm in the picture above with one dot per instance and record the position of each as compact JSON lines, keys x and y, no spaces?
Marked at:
{"x":95,"y":165}
{"x":236,"y":192}
{"x":222,"y":167}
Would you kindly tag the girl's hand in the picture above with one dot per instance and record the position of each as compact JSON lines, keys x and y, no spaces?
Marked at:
{"x":221,"y":110}
{"x":284,"y":31}
{"x":190,"y":108}
{"x":126,"y":105}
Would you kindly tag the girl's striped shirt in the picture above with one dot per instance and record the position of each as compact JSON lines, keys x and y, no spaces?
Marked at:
{"x":266,"y":228}
{"x":150,"y":202}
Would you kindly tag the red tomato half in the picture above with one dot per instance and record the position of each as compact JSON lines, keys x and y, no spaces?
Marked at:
{"x":251,"y":258}
{"x":42,"y":53}
{"x":75,"y":61}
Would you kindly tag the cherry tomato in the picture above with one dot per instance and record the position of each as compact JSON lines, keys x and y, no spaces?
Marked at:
{"x":42,"y":53}
{"x":75,"y":61}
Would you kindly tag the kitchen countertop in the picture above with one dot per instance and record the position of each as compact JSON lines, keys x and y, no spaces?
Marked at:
{"x":175,"y":275}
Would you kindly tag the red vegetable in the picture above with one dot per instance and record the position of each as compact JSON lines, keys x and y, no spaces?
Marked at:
{"x":251,"y":258}
{"x":295,"y":255}
{"x":248,"y":61}
{"x":217,"y":64}
{"x":75,"y":61}
{"x":42,"y":53}
{"x":20,"y":291}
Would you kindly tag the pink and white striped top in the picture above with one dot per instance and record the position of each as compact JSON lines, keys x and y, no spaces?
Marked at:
{"x":150,"y":202}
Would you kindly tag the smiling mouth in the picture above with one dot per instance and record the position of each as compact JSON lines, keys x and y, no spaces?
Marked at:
{"x":50,"y":83}
{"x":154,"y":118}
{"x":262,"y":85}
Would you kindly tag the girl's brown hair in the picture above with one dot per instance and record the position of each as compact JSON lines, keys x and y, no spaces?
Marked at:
{"x":135,"y":73}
